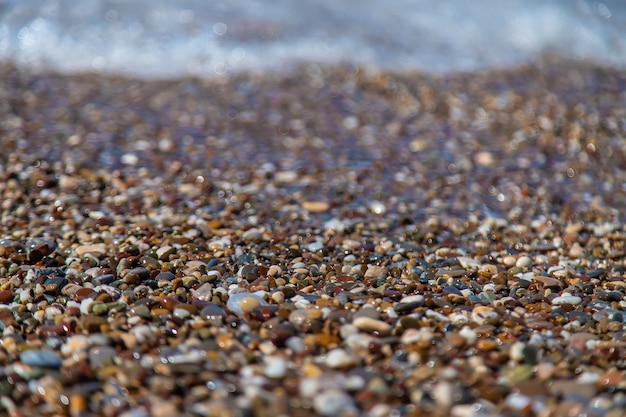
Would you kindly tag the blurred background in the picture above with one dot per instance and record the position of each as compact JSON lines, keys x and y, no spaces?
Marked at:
{"x":169,"y":38}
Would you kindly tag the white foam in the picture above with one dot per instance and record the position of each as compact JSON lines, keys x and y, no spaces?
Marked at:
{"x":171,"y":38}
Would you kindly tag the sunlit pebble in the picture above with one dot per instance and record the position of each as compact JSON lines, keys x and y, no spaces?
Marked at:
{"x":166,"y":145}
{"x":339,"y":358}
{"x":129,"y":159}
{"x":74,"y":140}
{"x":377,"y":207}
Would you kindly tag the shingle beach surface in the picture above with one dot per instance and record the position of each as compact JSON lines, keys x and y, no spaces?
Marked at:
{"x":328,"y":241}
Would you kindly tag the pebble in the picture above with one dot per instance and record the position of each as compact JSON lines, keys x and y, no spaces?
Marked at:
{"x":275,"y":367}
{"x":368,"y":324}
{"x":241,"y":303}
{"x":339,"y":359}
{"x":41,"y":358}
{"x":254,"y":266}
{"x":567,"y":298}
{"x":334,"y":403}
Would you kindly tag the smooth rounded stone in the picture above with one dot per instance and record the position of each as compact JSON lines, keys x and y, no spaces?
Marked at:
{"x":99,"y":308}
{"x":567,"y":298}
{"x":101,"y":356}
{"x":278,"y":297}
{"x":141,"y":310}
{"x":138,"y":274}
{"x":96,"y":250}
{"x":315,"y":206}
{"x":411,"y":336}
{"x":274,"y":270}
{"x":367,"y":311}
{"x":6,"y":296}
{"x":375,"y":271}
{"x":468,"y":263}
{"x":253,"y":235}
{"x":333,"y":402}
{"x":524,"y":262}
{"x":149,"y":262}
{"x":368,"y":324}
{"x":105,"y":279}
{"x":164,"y":252}
{"x":41,"y":358}
{"x":212,"y":312}
{"x":275,"y":367}
{"x":304,"y":317}
{"x":315,"y":246}
{"x":204,"y":292}
{"x":296,"y":344}
{"x":413,"y":299}
{"x":249,"y":272}
{"x":548,"y":282}
{"x":181,"y":313}
{"x":485,"y":315}
{"x":509,"y":261}
{"x":339,"y":359}
{"x":279,"y":335}
{"x":240,"y":303}
{"x":451,"y":289}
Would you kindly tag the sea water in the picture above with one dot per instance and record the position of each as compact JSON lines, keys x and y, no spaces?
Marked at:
{"x":168,"y":38}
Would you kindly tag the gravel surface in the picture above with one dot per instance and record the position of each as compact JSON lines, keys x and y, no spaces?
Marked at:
{"x":329,"y":241}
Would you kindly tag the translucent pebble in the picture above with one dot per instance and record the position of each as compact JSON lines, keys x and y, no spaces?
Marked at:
{"x":334,"y":403}
{"x":244,"y":301}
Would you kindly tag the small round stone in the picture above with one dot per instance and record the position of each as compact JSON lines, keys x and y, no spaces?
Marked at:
{"x":41,"y":358}
{"x":368,"y":324}
{"x":567,"y":298}
{"x":339,"y":358}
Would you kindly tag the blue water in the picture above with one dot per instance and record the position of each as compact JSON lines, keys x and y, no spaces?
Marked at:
{"x":166,"y":38}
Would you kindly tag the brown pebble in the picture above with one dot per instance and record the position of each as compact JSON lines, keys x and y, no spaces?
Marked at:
{"x":6,"y":296}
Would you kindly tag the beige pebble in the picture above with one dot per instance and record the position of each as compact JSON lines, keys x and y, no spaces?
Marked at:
{"x":576,"y":251}
{"x":489,"y":268}
{"x":375,"y":271}
{"x":97,"y":250}
{"x":485,"y":315}
{"x":315,"y":206}
{"x":368,"y":324}
{"x":249,"y":303}
{"x":509,"y":261}
{"x":524,"y":262}
{"x":274,"y":270}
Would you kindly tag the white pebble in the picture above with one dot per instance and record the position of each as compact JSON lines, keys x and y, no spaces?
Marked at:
{"x":469,"y":335}
{"x":567,"y":298}
{"x":339,"y":358}
{"x":416,"y":298}
{"x":334,"y":403}
{"x":524,"y":262}
{"x":368,"y":324}
{"x":275,"y":367}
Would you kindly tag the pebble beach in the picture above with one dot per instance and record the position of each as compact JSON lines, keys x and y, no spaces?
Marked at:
{"x":327,"y":241}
